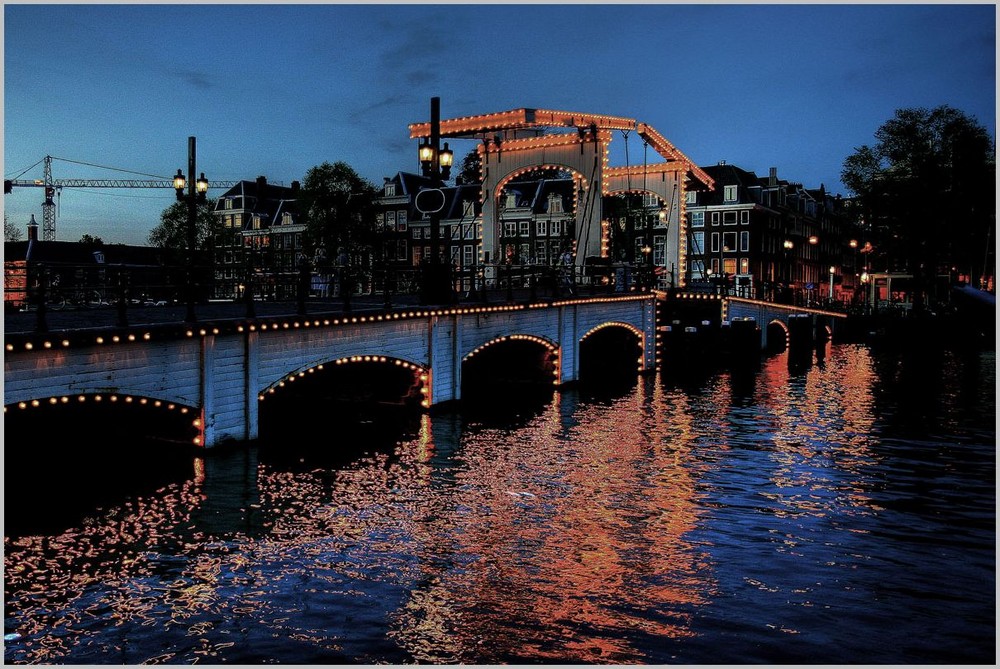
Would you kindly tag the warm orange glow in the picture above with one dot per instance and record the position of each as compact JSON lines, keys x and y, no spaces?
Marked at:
{"x":520,"y":118}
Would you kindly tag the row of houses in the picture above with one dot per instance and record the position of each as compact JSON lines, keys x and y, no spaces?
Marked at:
{"x":761,"y":237}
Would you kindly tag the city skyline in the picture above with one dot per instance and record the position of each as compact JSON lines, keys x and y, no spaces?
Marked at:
{"x":274,"y":90}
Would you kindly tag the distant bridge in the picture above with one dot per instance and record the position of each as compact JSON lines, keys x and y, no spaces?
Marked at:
{"x":774,"y":320}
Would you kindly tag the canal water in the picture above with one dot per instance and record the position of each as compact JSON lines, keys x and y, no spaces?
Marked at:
{"x":840,"y":513}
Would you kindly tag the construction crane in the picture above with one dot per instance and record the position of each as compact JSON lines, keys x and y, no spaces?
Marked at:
{"x":53,"y":188}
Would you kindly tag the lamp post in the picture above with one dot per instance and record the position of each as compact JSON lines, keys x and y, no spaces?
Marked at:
{"x":436,"y":164}
{"x":832,"y":272}
{"x":197,"y":190}
{"x":788,"y":245}
{"x":647,"y":268}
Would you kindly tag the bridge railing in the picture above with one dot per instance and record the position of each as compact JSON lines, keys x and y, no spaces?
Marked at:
{"x":41,"y":296}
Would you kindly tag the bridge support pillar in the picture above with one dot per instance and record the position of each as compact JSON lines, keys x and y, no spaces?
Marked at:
{"x":445,"y":359}
{"x":800,"y":338}
{"x":569,"y":345}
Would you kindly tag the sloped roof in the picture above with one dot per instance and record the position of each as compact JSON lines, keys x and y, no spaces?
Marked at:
{"x":262,"y":198}
{"x":76,"y":253}
{"x":729,"y":175}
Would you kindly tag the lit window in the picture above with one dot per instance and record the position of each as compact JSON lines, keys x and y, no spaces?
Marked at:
{"x":555,"y":205}
{"x":729,"y":242}
{"x":401,"y":221}
{"x":729,"y":265}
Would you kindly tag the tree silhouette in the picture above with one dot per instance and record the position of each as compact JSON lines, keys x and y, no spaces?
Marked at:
{"x":926,"y":190}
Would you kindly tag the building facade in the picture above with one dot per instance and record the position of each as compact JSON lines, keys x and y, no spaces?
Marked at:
{"x":258,"y":241}
{"x":768,"y":238}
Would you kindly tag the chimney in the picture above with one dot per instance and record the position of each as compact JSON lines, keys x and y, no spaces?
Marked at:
{"x":261,"y":185}
{"x":295,"y":187}
{"x":772,"y":178}
{"x":32,"y":230}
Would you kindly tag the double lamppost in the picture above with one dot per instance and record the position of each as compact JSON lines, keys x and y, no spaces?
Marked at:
{"x":196,"y":194}
{"x":435,"y":164}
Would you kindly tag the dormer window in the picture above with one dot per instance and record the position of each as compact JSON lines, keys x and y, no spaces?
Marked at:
{"x":555,"y":204}
{"x":730,"y":194}
{"x":511,"y":200}
{"x":390,"y":190}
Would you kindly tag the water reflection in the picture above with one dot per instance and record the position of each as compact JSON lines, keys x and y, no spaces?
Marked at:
{"x":548,"y":557}
{"x":724,"y":518}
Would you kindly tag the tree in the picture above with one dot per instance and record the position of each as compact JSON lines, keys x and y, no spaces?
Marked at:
{"x":339,"y":209}
{"x":470,"y":171}
{"x":926,"y":190}
{"x":171,"y":233}
{"x":11,"y":233}
{"x":90,"y":240}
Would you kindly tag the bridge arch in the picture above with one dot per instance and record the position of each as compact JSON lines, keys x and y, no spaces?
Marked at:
{"x":486,"y":364}
{"x":420,"y":374}
{"x":776,"y":336}
{"x":621,"y":345}
{"x":502,"y":183}
{"x":110,"y":409}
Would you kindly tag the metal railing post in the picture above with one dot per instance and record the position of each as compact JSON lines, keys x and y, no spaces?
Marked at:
{"x":40,"y":297}
{"x":122,"y":299}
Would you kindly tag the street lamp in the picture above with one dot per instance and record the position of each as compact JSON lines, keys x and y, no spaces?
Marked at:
{"x":647,"y":265}
{"x":832,"y":272}
{"x":435,"y":164}
{"x":197,"y":194}
{"x":789,"y":245}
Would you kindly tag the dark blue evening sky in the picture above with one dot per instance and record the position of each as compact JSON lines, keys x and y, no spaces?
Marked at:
{"x":276,"y":89}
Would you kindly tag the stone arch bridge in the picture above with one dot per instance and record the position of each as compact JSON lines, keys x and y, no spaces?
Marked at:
{"x":218,"y":374}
